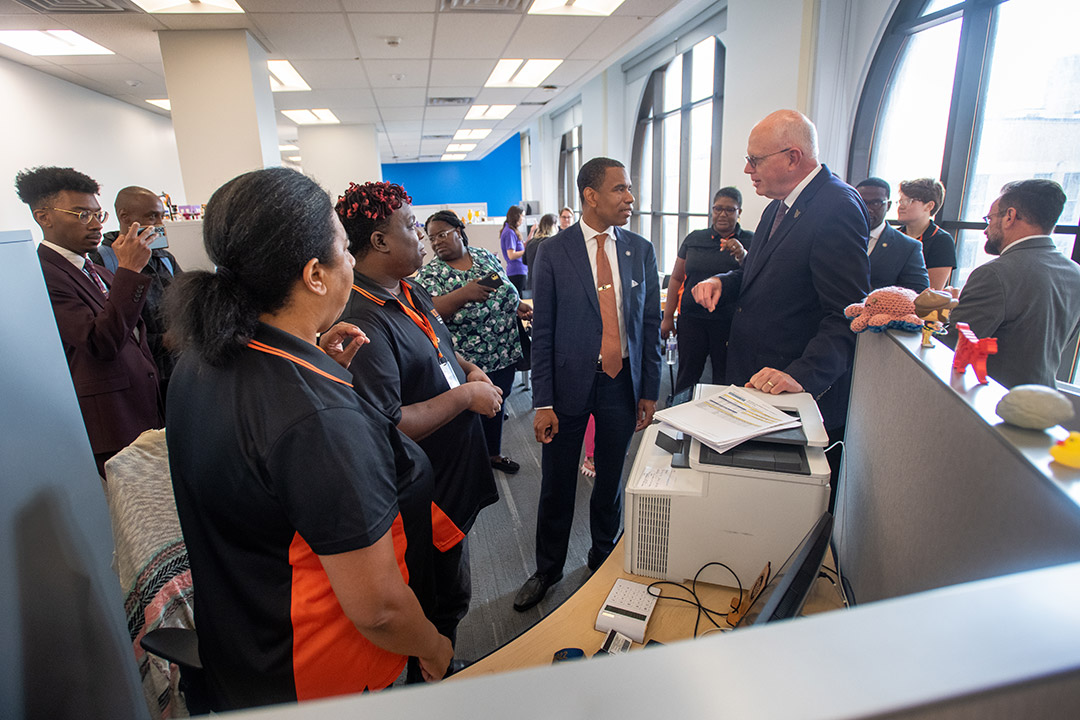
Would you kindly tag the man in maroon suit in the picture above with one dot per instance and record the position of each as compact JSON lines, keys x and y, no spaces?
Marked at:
{"x":97,"y":313}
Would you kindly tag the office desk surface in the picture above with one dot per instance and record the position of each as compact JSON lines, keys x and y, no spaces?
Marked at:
{"x":572,"y":624}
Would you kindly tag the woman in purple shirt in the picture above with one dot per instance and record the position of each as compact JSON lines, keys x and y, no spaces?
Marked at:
{"x":513,"y":248}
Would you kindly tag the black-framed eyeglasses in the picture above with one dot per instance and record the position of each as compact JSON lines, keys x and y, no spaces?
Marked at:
{"x":721,"y":210}
{"x":874,"y":204}
{"x":443,"y":235}
{"x":753,"y":160}
{"x":84,"y":217}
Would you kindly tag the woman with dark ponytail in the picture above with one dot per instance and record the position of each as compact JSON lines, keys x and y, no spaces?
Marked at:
{"x":296,"y":497}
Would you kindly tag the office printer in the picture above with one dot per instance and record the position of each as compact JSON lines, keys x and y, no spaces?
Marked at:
{"x":748,"y":506}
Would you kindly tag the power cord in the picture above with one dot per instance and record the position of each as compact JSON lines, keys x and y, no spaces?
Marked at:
{"x":709,"y":613}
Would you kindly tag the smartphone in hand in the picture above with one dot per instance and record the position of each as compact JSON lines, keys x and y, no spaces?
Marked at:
{"x":160,"y":239}
{"x":491,"y":280}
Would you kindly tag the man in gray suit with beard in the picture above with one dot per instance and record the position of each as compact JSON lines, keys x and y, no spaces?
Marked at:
{"x":1029,"y":296}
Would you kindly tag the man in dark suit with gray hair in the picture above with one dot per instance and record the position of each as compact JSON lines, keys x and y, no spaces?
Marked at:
{"x":1029,"y":296}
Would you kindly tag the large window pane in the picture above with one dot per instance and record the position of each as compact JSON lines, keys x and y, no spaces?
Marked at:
{"x":672,"y":129}
{"x":1029,"y":125}
{"x":934,"y":5}
{"x":911,"y":142}
{"x":671,"y":241}
{"x":673,"y":85}
{"x":704,"y":65}
{"x":643,"y":191}
{"x":700,"y":156}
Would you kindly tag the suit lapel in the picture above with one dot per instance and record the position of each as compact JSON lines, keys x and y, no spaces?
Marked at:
{"x":89,"y":290}
{"x":790,"y":221}
{"x":578,"y":256}
{"x":626,"y":261}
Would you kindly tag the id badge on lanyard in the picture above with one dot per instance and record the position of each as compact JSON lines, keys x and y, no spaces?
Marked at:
{"x":448,"y":373}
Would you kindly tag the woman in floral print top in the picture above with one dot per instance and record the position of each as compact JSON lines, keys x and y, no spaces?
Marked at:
{"x":482,"y":319}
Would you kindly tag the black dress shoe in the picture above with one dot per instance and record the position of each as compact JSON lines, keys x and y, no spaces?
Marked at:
{"x":595,"y":560}
{"x":533,"y":591}
{"x":505,"y":464}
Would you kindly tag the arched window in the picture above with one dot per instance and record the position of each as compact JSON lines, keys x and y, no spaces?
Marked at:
{"x":676,"y":150}
{"x":569,"y":166}
{"x":976,"y":93}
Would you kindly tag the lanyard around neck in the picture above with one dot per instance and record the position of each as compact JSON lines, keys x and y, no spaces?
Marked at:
{"x":419,"y":318}
{"x":270,"y":350}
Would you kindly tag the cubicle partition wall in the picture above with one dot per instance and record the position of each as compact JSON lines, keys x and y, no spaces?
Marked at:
{"x":64,"y":645}
{"x":936,"y":489}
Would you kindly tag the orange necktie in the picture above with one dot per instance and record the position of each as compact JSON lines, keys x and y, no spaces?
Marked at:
{"x":610,"y":346}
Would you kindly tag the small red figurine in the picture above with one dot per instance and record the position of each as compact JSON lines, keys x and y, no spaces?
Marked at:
{"x":971,"y":350}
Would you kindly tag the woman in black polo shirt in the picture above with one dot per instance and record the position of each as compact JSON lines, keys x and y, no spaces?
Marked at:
{"x":304,"y":510}
{"x":705,"y":253}
{"x":920,"y":200}
{"x":412,"y":373}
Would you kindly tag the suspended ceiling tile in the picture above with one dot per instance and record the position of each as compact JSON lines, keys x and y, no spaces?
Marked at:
{"x":401,"y":97}
{"x":466,"y":35}
{"x":332,"y":74}
{"x":543,"y":36}
{"x":397,"y":73}
{"x":446,"y":112}
{"x":460,"y":72}
{"x":412,"y":31}
{"x":308,"y":36}
{"x":380,"y":6}
{"x":615,"y":32}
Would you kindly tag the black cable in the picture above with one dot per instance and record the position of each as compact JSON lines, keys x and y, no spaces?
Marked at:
{"x":696,"y":602}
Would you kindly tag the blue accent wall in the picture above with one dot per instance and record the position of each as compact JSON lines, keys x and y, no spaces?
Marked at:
{"x":495,"y":180}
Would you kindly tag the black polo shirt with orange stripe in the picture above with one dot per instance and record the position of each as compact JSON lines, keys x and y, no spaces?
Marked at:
{"x":276,"y":460}
{"x":401,"y":366}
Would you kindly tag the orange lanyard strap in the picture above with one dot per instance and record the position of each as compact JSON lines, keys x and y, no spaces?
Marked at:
{"x":931,"y":234}
{"x":410,"y":310}
{"x":269,"y":350}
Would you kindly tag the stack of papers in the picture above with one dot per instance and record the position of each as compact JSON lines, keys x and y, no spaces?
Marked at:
{"x":727,"y":418}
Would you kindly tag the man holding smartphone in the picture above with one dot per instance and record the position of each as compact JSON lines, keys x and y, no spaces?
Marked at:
{"x":138,"y":205}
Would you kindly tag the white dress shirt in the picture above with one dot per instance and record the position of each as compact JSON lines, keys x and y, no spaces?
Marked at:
{"x":612,"y":251}
{"x":874,"y":235}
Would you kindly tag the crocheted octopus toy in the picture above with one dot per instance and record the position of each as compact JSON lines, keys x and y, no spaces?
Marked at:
{"x":885,"y":308}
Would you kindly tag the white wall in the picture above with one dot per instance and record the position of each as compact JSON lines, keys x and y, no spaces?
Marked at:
{"x":53,"y":122}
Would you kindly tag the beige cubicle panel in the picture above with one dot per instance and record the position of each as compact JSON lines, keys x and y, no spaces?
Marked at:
{"x":937,"y":490}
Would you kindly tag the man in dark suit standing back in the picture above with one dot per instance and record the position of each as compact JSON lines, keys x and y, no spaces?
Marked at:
{"x":895,"y":258}
{"x":97,"y":313}
{"x":595,"y":351}
{"x":808,"y":262}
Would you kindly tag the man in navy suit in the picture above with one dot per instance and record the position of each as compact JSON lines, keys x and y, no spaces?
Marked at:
{"x":98,"y":314}
{"x":895,"y":258}
{"x":595,"y":351}
{"x":808,"y":262}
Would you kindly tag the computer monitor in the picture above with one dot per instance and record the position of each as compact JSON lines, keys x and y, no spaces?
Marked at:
{"x":788,"y":589}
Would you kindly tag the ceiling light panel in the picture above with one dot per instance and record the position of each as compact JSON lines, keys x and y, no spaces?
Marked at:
{"x":284,"y":78}
{"x":194,"y":6}
{"x":164,"y":104}
{"x":489,"y":112}
{"x":321,"y":116}
{"x":513,"y":73}
{"x":46,"y":43}
{"x":287,"y":148}
{"x":472,"y":134}
{"x":592,"y":8}
{"x":453,"y":156}
{"x":460,"y":147}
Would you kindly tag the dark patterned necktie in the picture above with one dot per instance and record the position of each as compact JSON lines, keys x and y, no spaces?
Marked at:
{"x":93,"y":273}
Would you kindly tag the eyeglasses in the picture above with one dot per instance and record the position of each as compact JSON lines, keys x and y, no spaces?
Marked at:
{"x":721,"y":210}
{"x":905,"y":201}
{"x":877,"y":203}
{"x":753,"y":160}
{"x":84,"y":217}
{"x":991,"y":216}
{"x":443,"y":235}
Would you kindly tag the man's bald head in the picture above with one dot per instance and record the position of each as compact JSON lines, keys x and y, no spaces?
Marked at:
{"x":781,"y":151}
{"x":138,"y":205}
{"x":790,"y":128}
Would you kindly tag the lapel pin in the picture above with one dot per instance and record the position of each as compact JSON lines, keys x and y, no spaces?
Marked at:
{"x":884,"y":244}
{"x":627,"y":253}
{"x":797,"y":214}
